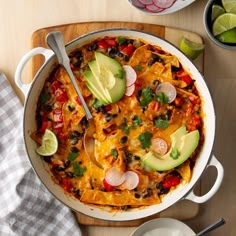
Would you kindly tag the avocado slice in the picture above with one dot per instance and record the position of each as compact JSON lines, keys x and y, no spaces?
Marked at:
{"x":94,"y":87}
{"x":182,"y":141}
{"x":110,"y":76}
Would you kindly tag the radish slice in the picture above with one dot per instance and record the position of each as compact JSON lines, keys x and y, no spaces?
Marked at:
{"x":137,"y":3}
{"x":114,"y":177}
{"x":131,"y":180}
{"x":131,"y":75}
{"x":159,"y":146}
{"x":146,"y":2}
{"x":153,"y":8}
{"x":168,"y":89}
{"x":130,"y":90}
{"x":163,"y":3}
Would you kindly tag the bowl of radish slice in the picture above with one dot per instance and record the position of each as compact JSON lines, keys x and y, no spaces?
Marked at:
{"x":160,"y":7}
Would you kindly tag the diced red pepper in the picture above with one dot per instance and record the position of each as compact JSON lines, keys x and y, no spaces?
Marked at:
{"x":60,"y":95}
{"x":171,"y":181}
{"x":102,"y":44}
{"x":66,"y":184}
{"x":193,"y":100}
{"x":184,"y":76}
{"x":110,"y":42}
{"x":121,"y":47}
{"x":128,"y":50}
{"x":178,"y":101}
{"x":57,"y":115}
{"x":78,"y":100}
{"x":108,"y":107}
{"x":107,"y":186}
{"x":44,"y":126}
{"x":58,"y":127}
{"x":196,"y":120}
{"x":154,"y":105}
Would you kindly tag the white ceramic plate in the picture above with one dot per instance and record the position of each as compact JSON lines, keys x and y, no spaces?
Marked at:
{"x":163,"y":226}
{"x":178,"y":5}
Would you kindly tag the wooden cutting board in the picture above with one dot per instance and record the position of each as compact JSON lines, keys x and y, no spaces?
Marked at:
{"x":182,"y":210}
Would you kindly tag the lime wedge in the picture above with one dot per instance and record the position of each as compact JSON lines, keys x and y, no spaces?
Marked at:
{"x":229,"y":5}
{"x":216,"y":11}
{"x":190,"y":48}
{"x":49,"y":144}
{"x":228,"y":36}
{"x":223,"y":23}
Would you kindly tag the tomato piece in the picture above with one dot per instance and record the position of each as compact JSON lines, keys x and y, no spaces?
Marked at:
{"x":178,"y":101}
{"x":66,"y":184}
{"x":108,"y":107}
{"x":58,"y":127}
{"x":154,"y":105}
{"x":60,"y":95}
{"x":57,"y":115}
{"x":171,"y":181}
{"x":196,"y":121}
{"x":55,"y":85}
{"x":110,"y":42}
{"x":184,"y":76}
{"x":107,"y":186}
{"x":102,"y":44}
{"x":193,"y":100}
{"x":128,"y":50}
{"x":78,"y":100}
{"x":44,"y":126}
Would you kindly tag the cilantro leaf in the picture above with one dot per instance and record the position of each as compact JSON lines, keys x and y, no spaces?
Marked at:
{"x":174,"y":153}
{"x":120,"y":40}
{"x":114,"y":153}
{"x":161,"y":123}
{"x":72,"y":156}
{"x":138,"y":68}
{"x":146,"y":96}
{"x":78,"y":171}
{"x":120,"y":74}
{"x":145,"y":139}
{"x":162,"y":98}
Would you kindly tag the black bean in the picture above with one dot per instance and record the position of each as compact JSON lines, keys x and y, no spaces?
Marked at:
{"x":134,"y":117}
{"x":164,"y":191}
{"x":119,"y":54}
{"x":175,"y":69}
{"x":76,"y":192}
{"x":136,"y":195}
{"x":70,"y":108}
{"x":47,"y":159}
{"x":67,"y":163}
{"x":159,"y":185}
{"x":74,"y":140}
{"x":92,"y":47}
{"x":59,"y":168}
{"x":137,"y":158}
{"x":127,"y":58}
{"x":74,"y":149}
{"x":69,"y":174}
{"x":114,"y":115}
{"x":112,"y":52}
{"x":129,"y":41}
{"x":47,"y":107}
{"x":108,"y":117}
{"x":124,"y":139}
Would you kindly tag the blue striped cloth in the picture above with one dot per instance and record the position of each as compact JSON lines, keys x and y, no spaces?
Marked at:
{"x":26,"y":206}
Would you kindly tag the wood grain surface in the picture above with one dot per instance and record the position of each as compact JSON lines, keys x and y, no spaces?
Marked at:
{"x":184,"y":209}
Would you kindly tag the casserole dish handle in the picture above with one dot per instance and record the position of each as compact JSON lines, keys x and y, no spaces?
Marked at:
{"x":220,"y":174}
{"x":39,"y":50}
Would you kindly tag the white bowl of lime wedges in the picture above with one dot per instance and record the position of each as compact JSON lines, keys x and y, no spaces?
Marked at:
{"x":219,"y":19}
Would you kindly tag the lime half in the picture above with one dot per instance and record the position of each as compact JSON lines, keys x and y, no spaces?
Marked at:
{"x":228,"y":36}
{"x":229,"y":5}
{"x":216,"y":11}
{"x":190,"y":48}
{"x":49,"y":144}
{"x":223,"y":23}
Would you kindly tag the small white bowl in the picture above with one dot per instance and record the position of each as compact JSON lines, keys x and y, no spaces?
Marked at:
{"x":163,"y":226}
{"x":152,"y":8}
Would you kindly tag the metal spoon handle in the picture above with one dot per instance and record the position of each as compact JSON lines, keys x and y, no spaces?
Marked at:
{"x":211,"y":227}
{"x":55,"y":41}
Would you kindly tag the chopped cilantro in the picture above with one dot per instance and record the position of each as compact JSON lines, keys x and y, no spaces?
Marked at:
{"x":161,"y":123}
{"x":146,"y":96}
{"x":162,"y":98}
{"x":137,"y":121}
{"x":114,"y":153}
{"x":78,"y":171}
{"x":72,"y":156}
{"x":174,"y":153}
{"x":145,"y":139}
{"x":96,"y":103}
{"x":120,"y":74}
{"x":44,"y":97}
{"x":138,"y":68}
{"x":120,"y":40}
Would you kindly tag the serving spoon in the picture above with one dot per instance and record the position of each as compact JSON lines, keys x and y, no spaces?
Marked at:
{"x":55,"y":41}
{"x":211,"y":227}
